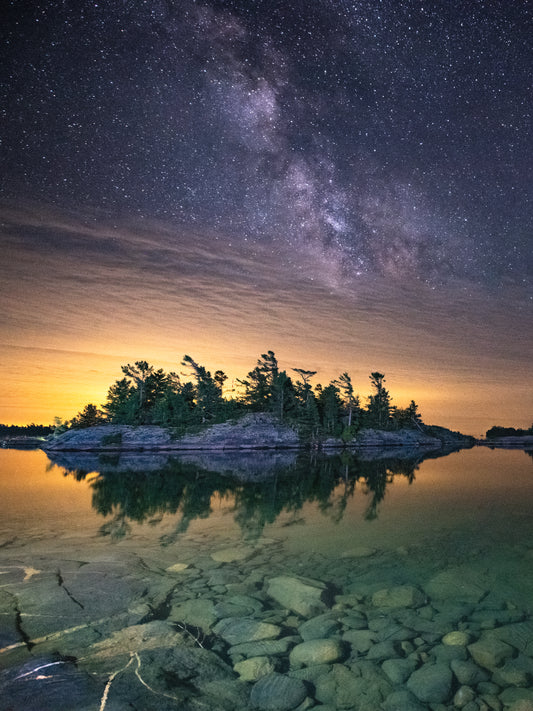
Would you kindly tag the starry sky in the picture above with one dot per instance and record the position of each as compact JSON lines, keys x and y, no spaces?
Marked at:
{"x":346,"y":182}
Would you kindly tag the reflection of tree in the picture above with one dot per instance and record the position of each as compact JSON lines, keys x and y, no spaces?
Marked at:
{"x":186,"y":490}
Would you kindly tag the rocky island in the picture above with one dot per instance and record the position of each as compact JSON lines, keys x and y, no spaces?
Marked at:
{"x":253,"y":431}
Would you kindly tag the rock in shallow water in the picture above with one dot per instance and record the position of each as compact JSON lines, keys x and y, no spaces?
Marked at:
{"x":431,"y":683}
{"x":254,"y":668}
{"x":399,"y":596}
{"x":304,"y":596}
{"x":236,"y":630}
{"x":276,"y":692}
{"x":316,"y":651}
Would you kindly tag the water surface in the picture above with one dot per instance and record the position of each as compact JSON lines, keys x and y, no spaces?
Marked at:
{"x":89,"y":553}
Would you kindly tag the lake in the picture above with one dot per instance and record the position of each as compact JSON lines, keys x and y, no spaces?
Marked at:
{"x":323,"y":582}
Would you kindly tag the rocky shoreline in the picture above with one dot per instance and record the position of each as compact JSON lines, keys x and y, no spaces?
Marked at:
{"x":251,"y":432}
{"x":238,"y":628}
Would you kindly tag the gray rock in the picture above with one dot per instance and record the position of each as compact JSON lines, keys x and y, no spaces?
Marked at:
{"x":382,"y":650}
{"x":9,"y":632}
{"x":236,"y":630}
{"x":468,"y":673}
{"x":432,"y":683}
{"x":463,"y":696}
{"x":277,"y":692}
{"x":354,"y":620}
{"x":513,"y":695}
{"x":344,"y":688}
{"x":250,"y":432}
{"x":318,"y":627}
{"x":198,"y":613}
{"x":254,"y":668}
{"x":519,"y":635}
{"x":266,"y":647}
{"x":304,"y":596}
{"x":399,"y":596}
{"x":515,"y":672}
{"x":445,"y":653}
{"x":360,"y":640}
{"x":490,"y":652}
{"x":457,"y":584}
{"x":316,"y":651}
{"x":399,"y":670}
{"x":402,"y":700}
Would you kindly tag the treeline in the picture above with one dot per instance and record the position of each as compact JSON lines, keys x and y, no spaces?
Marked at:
{"x":497,"y":431}
{"x":146,"y":395}
{"x":33,"y":430}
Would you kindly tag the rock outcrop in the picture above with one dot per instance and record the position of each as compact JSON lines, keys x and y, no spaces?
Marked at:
{"x":254,"y":431}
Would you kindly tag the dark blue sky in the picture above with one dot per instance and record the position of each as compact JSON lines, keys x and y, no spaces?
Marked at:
{"x":375,"y":146}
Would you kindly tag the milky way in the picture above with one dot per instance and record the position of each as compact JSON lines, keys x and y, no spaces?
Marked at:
{"x":386,"y":137}
{"x":347,"y":182}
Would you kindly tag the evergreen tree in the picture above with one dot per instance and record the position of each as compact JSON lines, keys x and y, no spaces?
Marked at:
{"x":88,"y":417}
{"x":379,"y":406}
{"x":121,"y":402}
{"x":208,"y":395}
{"x":260,"y":383}
{"x":351,"y":401}
{"x":329,"y":407}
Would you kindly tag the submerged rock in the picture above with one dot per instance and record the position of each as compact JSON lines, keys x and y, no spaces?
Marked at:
{"x":277,"y":692}
{"x":316,"y":651}
{"x":304,"y":596}
{"x":399,"y":596}
{"x":490,"y":652}
{"x":432,"y":683}
{"x":236,"y":630}
{"x":458,"y":584}
{"x":254,"y":668}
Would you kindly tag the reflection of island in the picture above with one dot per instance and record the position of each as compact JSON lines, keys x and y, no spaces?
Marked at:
{"x":142,"y":488}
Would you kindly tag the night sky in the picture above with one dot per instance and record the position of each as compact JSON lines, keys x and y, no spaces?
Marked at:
{"x":345,"y":182}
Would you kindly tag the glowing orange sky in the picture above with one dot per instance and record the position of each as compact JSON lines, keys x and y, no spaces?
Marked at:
{"x":79,"y":299}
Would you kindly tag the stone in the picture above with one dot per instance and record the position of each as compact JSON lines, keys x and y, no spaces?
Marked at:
{"x":432,"y":683}
{"x":402,"y":700}
{"x":519,"y":635}
{"x":468,"y":673}
{"x":398,"y":670}
{"x":316,"y":651}
{"x":514,"y":672}
{"x":115,"y":649}
{"x":360,"y":640}
{"x":513,"y":695}
{"x":254,"y":668}
{"x":463,"y":696}
{"x":445,"y":653}
{"x":521,"y":705}
{"x":456,"y":638}
{"x":177,"y":568}
{"x":228,"y":555}
{"x":265,"y":647}
{"x":457,"y":584}
{"x":382,"y":650}
{"x":318,"y":627}
{"x":354,"y":620}
{"x":358,"y":552}
{"x":277,"y":692}
{"x":304,"y":596}
{"x":236,"y":630}
{"x":344,"y":688}
{"x":399,"y":596}
{"x":238,"y":606}
{"x":490,"y":652}
{"x":199,"y":612}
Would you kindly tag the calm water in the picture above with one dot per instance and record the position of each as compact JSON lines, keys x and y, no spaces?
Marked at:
{"x":88,"y":553}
